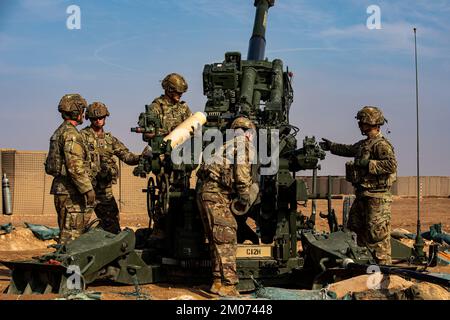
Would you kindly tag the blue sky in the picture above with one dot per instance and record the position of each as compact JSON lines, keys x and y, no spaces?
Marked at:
{"x":124,"y":49}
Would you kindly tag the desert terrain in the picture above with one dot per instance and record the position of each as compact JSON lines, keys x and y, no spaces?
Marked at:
{"x":21,"y":244}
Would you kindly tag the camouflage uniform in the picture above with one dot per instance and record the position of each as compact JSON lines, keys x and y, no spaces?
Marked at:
{"x":219,"y":182}
{"x":170,"y":115}
{"x":73,"y":179}
{"x":107,"y":146}
{"x":370,"y":214}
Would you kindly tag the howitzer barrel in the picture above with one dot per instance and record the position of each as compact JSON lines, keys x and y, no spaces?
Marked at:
{"x":257,"y":45}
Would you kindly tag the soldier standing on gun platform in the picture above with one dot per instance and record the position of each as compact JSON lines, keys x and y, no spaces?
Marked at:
{"x":107,"y":146}
{"x":171,"y":111}
{"x":372,"y":173}
{"x":227,"y":175}
{"x":69,"y":161}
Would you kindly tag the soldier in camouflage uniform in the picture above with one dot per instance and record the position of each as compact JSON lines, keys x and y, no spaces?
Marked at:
{"x":220,"y":181}
{"x":169,"y":107}
{"x":372,"y":173}
{"x":69,"y":162}
{"x":107,"y":146}
{"x":171,"y":111}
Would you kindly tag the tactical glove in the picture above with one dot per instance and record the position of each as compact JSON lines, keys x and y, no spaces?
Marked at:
{"x":244,"y":200}
{"x":325,"y":144}
{"x":362,"y":163}
{"x":90,"y":198}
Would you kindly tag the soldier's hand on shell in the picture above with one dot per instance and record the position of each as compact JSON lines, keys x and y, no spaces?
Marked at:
{"x":325,"y":144}
{"x":90,"y":198}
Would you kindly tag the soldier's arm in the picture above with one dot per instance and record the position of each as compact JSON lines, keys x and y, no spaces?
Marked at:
{"x":242,"y":172}
{"x":74,"y":153}
{"x":387,"y":163}
{"x":186,"y":112}
{"x":344,"y":150}
{"x":123,"y":153}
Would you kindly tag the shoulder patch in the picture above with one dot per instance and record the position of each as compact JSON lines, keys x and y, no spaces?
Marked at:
{"x":384,"y":148}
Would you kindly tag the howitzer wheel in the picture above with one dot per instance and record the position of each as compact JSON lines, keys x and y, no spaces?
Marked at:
{"x":151,"y":200}
{"x":164,"y":185}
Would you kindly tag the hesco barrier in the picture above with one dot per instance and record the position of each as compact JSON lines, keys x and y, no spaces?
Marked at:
{"x":30,"y":186}
{"x":404,"y":186}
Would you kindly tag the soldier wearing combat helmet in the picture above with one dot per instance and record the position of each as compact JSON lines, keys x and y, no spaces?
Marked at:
{"x":169,"y":107}
{"x":107,"y":147}
{"x":226,"y":179}
{"x":171,"y":111}
{"x":69,"y":161}
{"x":371,"y":173}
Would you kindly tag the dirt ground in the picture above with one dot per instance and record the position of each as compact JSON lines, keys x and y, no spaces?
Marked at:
{"x":21,"y":244}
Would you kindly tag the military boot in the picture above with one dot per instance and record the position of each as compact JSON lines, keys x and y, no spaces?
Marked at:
{"x":216,"y":285}
{"x":228,"y":290}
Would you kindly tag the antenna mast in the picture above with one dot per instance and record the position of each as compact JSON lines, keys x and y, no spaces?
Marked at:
{"x":418,"y":244}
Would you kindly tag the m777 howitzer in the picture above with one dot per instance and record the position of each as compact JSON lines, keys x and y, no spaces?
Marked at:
{"x":158,"y":161}
{"x":261,"y":90}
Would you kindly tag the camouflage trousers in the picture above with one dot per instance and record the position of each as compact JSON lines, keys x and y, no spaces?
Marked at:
{"x":370,"y":219}
{"x":107,"y":210}
{"x":220,"y":227}
{"x":73,"y":215}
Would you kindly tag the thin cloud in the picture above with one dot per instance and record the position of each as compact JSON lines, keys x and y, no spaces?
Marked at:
{"x":237,"y":10}
{"x":48,"y":10}
{"x":303,"y":49}
{"x":393,"y":37}
{"x":57,"y":71}
{"x":97,"y":54}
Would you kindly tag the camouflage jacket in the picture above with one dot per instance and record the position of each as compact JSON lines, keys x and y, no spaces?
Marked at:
{"x":230,"y":169}
{"x":107,"y":146}
{"x":382,"y":169}
{"x":170,"y":115}
{"x":77,"y":174}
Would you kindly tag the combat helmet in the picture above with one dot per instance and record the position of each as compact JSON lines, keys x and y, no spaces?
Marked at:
{"x":174,"y":83}
{"x":97,"y":110}
{"x":371,"y":115}
{"x":243,"y":122}
{"x":72,"y":103}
